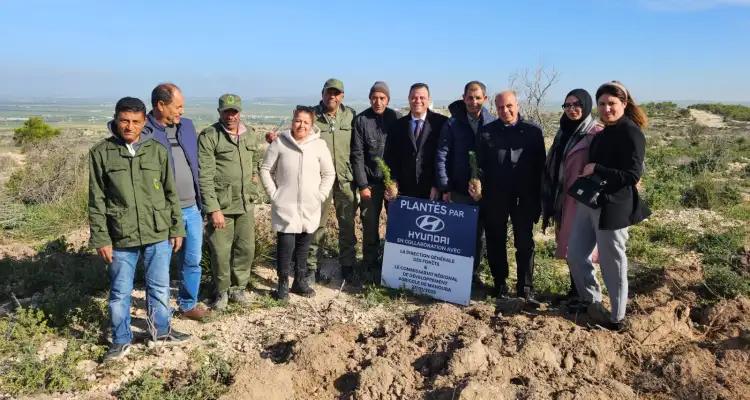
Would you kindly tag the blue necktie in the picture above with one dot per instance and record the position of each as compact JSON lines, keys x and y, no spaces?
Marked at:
{"x":417,"y":129}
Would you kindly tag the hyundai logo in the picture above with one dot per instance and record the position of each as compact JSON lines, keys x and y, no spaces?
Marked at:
{"x":430,"y":223}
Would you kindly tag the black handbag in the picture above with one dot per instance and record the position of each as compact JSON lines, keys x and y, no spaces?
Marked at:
{"x":587,"y":190}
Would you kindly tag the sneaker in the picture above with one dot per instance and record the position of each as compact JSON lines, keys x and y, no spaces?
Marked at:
{"x":240,"y":297}
{"x":117,"y":352}
{"x":196,"y":313}
{"x":172,"y":338}
{"x":221,"y":302}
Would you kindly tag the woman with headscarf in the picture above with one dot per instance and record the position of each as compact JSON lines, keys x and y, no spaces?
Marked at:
{"x":565,"y":161}
{"x":616,"y":157}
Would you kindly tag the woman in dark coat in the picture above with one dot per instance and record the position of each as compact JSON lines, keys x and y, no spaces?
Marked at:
{"x":616,"y":156}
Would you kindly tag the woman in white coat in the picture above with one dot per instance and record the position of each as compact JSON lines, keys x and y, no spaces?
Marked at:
{"x":298,"y":174}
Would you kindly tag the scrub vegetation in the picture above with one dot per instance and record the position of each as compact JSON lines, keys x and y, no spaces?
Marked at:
{"x":689,"y":279}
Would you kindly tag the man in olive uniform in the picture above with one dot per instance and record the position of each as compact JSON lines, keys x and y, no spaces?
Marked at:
{"x":228,"y":158}
{"x":335,"y":123}
{"x":134,"y":211}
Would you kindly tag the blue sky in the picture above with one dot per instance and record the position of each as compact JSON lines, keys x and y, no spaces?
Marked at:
{"x":661,"y":49}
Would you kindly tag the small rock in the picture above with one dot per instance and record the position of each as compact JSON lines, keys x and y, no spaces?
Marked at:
{"x":86,"y":366}
{"x":568,"y":362}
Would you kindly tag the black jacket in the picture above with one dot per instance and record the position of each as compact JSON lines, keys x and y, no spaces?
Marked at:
{"x":503,"y":179}
{"x":618,"y":152}
{"x":369,"y":132}
{"x":413,"y":164}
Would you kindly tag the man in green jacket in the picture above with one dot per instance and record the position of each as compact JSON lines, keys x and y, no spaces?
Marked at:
{"x":134,"y":210}
{"x":335,"y":123}
{"x":228,"y":155}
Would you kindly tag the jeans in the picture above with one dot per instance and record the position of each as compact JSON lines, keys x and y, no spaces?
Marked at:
{"x":190,"y":254}
{"x":156,"y":258}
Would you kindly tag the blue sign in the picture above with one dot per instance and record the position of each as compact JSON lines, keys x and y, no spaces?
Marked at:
{"x":430,"y":248}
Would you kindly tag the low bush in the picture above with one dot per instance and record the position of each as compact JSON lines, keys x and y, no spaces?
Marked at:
{"x":209,"y":381}
{"x":53,"y":174}
{"x":732,"y":111}
{"x":34,"y":130}
{"x":27,"y":369}
{"x":709,"y":193}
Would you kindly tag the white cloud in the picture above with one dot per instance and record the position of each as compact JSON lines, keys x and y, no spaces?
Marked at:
{"x":691,"y":5}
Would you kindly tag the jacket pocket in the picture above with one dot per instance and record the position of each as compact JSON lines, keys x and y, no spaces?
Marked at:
{"x":119,"y":226}
{"x":162,"y":219}
{"x":225,"y":153}
{"x":224,"y":194}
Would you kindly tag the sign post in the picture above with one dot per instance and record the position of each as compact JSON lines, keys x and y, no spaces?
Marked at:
{"x":429,"y":248}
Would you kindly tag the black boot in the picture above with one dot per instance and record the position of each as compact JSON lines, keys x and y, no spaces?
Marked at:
{"x":282,"y":290}
{"x":347,"y":272}
{"x":530,"y":300}
{"x":301,"y":286}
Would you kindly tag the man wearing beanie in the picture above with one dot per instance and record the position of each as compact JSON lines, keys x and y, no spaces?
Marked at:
{"x":335,"y":123}
{"x":369,"y":132}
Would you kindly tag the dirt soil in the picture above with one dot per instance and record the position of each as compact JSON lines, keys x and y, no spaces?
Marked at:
{"x":334,"y":346}
{"x":707,"y":119}
{"x":442,"y":351}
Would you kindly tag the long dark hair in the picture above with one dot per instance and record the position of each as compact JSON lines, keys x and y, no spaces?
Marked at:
{"x":632,"y":111}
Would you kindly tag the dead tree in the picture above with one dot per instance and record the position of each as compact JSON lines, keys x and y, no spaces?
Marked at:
{"x":532,"y":87}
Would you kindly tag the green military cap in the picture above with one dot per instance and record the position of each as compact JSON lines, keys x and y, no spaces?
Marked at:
{"x":334,"y":83}
{"x":230,"y":102}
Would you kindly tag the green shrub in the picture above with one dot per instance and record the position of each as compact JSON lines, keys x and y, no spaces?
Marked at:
{"x":208,"y":382}
{"x":61,"y":281}
{"x":720,"y":248}
{"x":723,"y":282}
{"x":731,"y":111}
{"x":23,"y":370}
{"x":708,"y":193}
{"x":664,"y":108}
{"x":34,"y":130}
{"x":53,"y":174}
{"x":551,"y":278}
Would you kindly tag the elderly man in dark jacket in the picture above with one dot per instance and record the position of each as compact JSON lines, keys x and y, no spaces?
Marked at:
{"x":369,"y":133}
{"x":511,"y":155}
{"x":457,"y":138}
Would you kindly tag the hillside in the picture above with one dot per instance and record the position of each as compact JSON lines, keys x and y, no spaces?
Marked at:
{"x":688,"y":335}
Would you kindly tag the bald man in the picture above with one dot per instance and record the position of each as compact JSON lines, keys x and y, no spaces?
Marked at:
{"x":511,"y":155}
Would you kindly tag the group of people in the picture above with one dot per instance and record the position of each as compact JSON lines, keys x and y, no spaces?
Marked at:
{"x":155,"y":185}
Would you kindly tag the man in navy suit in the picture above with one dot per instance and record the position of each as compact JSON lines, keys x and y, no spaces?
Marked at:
{"x":411,"y":147}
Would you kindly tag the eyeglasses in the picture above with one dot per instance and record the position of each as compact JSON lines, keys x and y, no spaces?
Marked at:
{"x":577,"y":104}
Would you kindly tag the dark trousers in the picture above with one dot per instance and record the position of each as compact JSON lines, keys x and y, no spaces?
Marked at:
{"x":461,"y":198}
{"x":494,"y":215}
{"x":292,"y":245}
